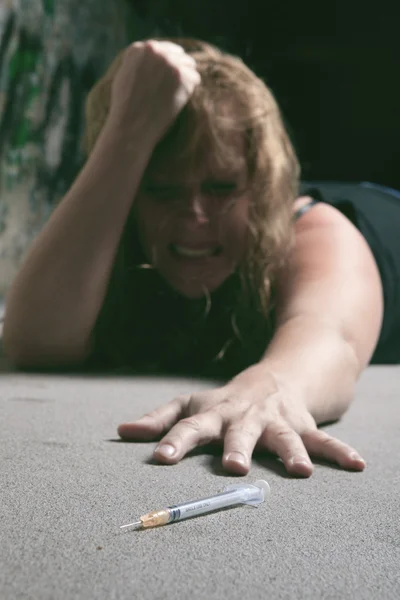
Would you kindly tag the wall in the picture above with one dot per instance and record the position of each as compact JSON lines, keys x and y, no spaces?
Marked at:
{"x":51,"y":53}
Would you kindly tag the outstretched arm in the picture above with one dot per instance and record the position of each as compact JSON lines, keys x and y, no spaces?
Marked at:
{"x":329,"y":310}
{"x":329,"y":316}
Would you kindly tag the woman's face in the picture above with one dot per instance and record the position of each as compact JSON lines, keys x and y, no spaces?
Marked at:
{"x":194,"y":229}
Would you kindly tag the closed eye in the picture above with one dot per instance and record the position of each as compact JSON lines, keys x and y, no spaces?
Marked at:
{"x":163,"y":192}
{"x":220,"y":188}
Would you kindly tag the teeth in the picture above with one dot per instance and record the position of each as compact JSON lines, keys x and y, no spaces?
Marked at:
{"x":191,"y":252}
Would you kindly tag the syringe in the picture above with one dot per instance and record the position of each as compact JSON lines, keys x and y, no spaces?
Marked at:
{"x":241,"y":493}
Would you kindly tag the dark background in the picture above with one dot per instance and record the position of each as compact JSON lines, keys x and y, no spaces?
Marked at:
{"x":333,"y":67}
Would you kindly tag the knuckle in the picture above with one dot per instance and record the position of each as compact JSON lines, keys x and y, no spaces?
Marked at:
{"x":241,"y":431}
{"x":182,"y":399}
{"x":149,"y":415}
{"x":314,"y":432}
{"x":148,"y":46}
{"x":283,"y":432}
{"x":284,"y":405}
{"x":329,"y":441}
{"x":213,"y":412}
{"x":189,"y":63}
{"x":310,"y":434}
{"x":244,"y":429}
{"x":156,"y":49}
{"x":221,"y":409}
{"x":151,"y":44}
{"x":321,"y":436}
{"x":159,"y":421}
{"x":177,"y":72}
{"x":224,"y":404}
{"x":214,"y":419}
{"x":256,"y":413}
{"x":191,"y":423}
{"x":153,"y":414}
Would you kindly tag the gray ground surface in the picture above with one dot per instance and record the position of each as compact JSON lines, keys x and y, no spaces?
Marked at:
{"x":67,"y":484}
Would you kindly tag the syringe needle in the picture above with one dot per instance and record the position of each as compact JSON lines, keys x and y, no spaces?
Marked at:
{"x":134,"y":524}
{"x":239,"y":493}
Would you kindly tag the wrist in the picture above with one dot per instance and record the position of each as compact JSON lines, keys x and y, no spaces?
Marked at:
{"x":131,"y":137}
{"x":316,"y":364}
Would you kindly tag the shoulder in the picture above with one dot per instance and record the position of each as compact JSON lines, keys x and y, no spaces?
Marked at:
{"x":332,"y":275}
{"x":332,"y":272}
{"x":324,"y":232}
{"x":319,"y":214}
{"x":326,"y":240}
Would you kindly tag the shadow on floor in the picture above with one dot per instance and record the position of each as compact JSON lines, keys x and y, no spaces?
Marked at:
{"x":262,"y":458}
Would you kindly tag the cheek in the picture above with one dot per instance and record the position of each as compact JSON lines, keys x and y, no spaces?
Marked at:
{"x":153,"y":223}
{"x":235,"y":229}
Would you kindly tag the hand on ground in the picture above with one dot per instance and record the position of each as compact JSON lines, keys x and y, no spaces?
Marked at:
{"x":243,"y":417}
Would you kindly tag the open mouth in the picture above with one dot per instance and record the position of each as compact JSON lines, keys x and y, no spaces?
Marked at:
{"x":193,"y":253}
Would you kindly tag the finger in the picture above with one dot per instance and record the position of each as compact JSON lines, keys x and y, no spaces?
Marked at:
{"x":190,"y":78}
{"x":239,"y":442}
{"x":155,"y":422}
{"x":287,"y":444}
{"x":181,"y":61}
{"x":164,"y":46}
{"x":185,"y":67}
{"x":190,"y":74}
{"x":319,"y":443}
{"x":193,"y":431}
{"x":187,"y":61}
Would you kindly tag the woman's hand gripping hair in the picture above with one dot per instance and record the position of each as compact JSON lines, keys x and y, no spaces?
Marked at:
{"x":154,"y":81}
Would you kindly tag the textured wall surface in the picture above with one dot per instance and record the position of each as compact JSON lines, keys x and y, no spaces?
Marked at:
{"x":51,"y":52}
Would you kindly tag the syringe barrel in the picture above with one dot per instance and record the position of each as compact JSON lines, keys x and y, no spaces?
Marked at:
{"x":209,"y":504}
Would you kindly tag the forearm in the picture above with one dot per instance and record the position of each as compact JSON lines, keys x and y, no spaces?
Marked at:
{"x":319,"y":365}
{"x":55,"y":299}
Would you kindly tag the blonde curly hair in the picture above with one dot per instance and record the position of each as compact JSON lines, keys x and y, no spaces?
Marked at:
{"x":273,"y":168}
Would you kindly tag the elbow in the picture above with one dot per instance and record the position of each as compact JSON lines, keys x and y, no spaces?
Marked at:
{"x":21,"y":358}
{"x":9,"y":346}
{"x":23,"y":353}
{"x":24,"y":359}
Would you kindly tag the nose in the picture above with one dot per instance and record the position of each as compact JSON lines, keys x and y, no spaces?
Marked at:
{"x":196,"y":205}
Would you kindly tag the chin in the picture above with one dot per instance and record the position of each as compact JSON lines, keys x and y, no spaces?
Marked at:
{"x":196,"y":289}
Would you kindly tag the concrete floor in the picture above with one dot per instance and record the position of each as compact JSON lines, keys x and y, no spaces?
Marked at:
{"x":67,"y":484}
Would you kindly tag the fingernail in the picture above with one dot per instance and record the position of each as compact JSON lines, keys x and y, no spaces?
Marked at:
{"x":299,"y":462}
{"x":166,"y":450}
{"x":355,"y":456}
{"x":237,"y":457}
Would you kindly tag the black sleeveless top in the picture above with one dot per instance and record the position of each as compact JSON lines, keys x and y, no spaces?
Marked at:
{"x":164,"y":332}
{"x":156,"y":330}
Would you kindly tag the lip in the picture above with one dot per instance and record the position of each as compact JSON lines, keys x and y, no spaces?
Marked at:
{"x":197,"y":245}
{"x":196,"y":259}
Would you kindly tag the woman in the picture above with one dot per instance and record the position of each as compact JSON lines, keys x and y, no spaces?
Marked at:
{"x":184,"y":246}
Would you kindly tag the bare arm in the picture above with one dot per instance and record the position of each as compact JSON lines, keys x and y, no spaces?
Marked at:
{"x":55,"y":299}
{"x":330,"y":312}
